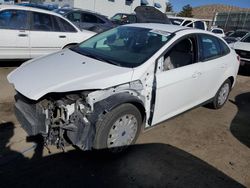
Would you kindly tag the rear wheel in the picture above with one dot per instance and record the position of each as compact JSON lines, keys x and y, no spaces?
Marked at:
{"x":222,"y":95}
{"x":118,"y":128}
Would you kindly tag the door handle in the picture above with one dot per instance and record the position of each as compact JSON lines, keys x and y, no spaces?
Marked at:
{"x":23,"y":35}
{"x":62,"y":36}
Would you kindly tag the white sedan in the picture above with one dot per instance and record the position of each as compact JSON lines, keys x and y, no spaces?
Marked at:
{"x":27,"y":32}
{"x":131,"y":77}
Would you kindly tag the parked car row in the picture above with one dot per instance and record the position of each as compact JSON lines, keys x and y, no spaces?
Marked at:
{"x":31,"y":32}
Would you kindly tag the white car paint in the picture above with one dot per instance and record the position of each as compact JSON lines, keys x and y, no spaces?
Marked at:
{"x":163,"y":93}
{"x":26,"y":44}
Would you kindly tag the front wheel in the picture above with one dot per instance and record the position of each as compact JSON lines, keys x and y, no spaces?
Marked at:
{"x":118,"y":128}
{"x":222,"y":95}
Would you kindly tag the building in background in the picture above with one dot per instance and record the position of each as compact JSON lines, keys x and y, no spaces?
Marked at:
{"x":224,"y":16}
{"x":232,"y":20}
{"x":110,"y":7}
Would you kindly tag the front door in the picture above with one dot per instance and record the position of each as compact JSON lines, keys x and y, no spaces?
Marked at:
{"x":178,"y":81}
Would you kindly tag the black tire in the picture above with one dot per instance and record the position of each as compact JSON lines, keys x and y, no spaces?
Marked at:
{"x":106,"y":123}
{"x":216,"y":103}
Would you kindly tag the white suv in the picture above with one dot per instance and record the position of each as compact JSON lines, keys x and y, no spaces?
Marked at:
{"x":29,"y":32}
{"x":100,"y":93}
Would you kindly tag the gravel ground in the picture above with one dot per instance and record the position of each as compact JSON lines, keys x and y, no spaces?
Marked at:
{"x":200,"y":148}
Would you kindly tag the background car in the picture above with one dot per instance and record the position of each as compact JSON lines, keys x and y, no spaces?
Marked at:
{"x":123,"y":18}
{"x":143,"y":14}
{"x":235,"y":36}
{"x":242,"y":48}
{"x":86,"y":20}
{"x":218,"y":32}
{"x":188,"y":22}
{"x":131,"y":77}
{"x":29,"y":32}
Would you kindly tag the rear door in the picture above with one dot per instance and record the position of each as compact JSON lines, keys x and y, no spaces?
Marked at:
{"x":14,"y":34}
{"x":214,"y":61}
{"x":48,"y":34}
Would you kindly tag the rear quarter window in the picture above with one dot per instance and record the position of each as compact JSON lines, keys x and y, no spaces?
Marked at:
{"x":224,"y":48}
{"x":67,"y":27}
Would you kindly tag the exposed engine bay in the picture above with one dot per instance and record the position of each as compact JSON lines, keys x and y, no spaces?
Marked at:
{"x":70,"y":118}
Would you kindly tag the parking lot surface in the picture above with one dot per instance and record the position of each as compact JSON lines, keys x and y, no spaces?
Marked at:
{"x":200,"y":148}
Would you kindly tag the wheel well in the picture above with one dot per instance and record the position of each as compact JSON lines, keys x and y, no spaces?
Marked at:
{"x":231,"y":79}
{"x":141,"y":108}
{"x":68,"y":45}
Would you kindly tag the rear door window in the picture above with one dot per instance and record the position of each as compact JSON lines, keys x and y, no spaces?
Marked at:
{"x":209,"y":47}
{"x":66,"y":26}
{"x":14,"y":19}
{"x":41,"y":22}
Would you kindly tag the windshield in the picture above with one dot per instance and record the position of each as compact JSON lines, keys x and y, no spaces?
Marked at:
{"x":124,"y":46}
{"x":246,"y":39}
{"x":239,"y":34}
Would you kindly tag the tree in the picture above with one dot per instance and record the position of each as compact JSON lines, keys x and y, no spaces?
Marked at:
{"x":186,"y":11}
{"x":169,"y":7}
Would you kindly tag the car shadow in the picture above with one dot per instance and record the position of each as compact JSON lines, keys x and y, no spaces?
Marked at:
{"x":146,"y":165}
{"x":11,"y":63}
{"x":240,"y":126}
{"x":244,"y":71}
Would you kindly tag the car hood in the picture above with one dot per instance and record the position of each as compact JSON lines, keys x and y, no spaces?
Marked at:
{"x":66,"y":71}
{"x":242,"y":46}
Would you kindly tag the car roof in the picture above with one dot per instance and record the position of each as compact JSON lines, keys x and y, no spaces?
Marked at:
{"x":17,"y":7}
{"x":70,"y":9}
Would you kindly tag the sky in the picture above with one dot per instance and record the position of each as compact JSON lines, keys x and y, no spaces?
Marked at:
{"x":178,"y":4}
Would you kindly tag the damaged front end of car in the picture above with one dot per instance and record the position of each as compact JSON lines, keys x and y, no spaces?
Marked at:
{"x":71,"y":118}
